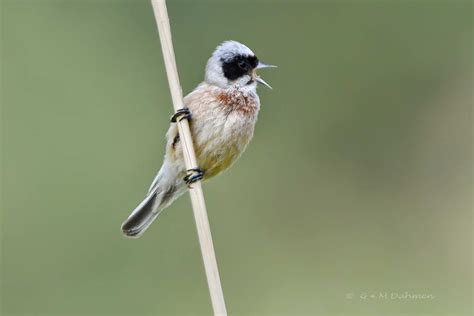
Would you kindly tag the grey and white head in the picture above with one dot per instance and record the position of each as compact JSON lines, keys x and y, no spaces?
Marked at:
{"x":234,"y":65}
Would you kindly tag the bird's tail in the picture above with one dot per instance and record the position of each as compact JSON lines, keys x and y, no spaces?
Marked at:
{"x":161,"y":194}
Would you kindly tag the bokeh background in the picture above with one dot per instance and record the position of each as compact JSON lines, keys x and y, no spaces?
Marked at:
{"x":358,"y":181}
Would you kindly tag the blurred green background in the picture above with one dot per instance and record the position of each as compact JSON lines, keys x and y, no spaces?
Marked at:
{"x":358,"y":180}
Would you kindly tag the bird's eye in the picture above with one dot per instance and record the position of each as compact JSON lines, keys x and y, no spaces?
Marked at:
{"x":242,"y":64}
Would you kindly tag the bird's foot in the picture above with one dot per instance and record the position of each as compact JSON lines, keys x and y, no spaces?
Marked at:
{"x":193,"y":175}
{"x":180,"y":115}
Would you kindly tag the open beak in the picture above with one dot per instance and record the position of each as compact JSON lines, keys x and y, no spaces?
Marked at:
{"x":263,"y":65}
{"x":258,"y":78}
{"x":261,"y":81}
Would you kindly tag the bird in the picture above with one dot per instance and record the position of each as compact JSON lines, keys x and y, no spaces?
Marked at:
{"x":222,"y":112}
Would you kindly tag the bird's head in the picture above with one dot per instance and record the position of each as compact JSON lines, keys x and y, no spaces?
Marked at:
{"x":234,"y":65}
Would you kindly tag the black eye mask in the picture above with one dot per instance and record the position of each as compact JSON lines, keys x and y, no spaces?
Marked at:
{"x":238,"y":66}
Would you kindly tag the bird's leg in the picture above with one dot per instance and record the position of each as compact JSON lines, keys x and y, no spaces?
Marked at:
{"x":193,"y":175}
{"x":180,"y":115}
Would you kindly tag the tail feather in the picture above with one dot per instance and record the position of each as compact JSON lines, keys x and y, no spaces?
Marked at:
{"x":165,"y":188}
{"x":143,"y":215}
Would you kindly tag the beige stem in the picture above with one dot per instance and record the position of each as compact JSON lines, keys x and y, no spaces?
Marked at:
{"x":197,"y":197}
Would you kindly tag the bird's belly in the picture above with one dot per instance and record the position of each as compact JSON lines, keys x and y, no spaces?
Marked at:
{"x":213,"y":164}
{"x":219,"y":149}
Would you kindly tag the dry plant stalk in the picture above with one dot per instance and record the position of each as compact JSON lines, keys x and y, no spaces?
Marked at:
{"x":197,"y":197}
